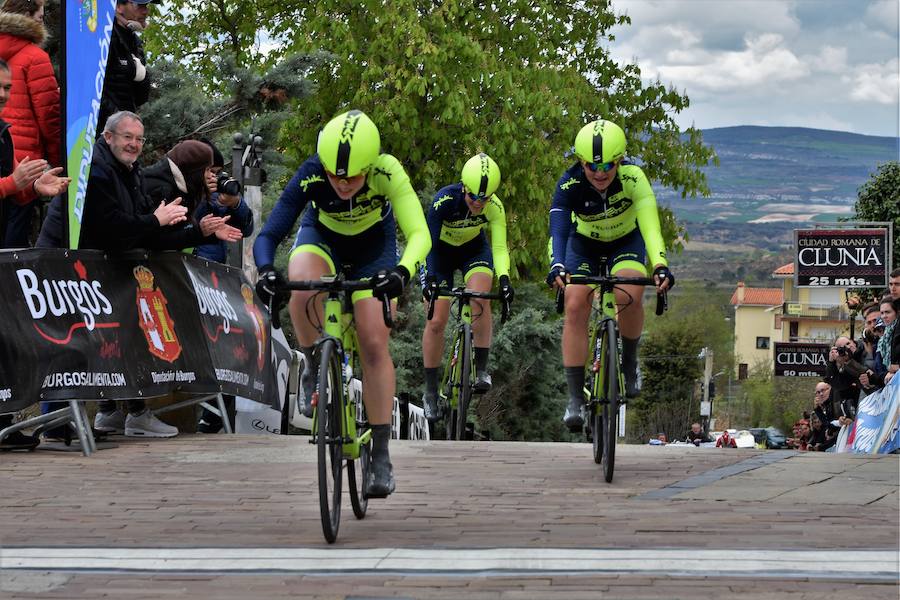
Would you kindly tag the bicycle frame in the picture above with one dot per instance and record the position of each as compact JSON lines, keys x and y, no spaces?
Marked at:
{"x":455,"y":368}
{"x":339,"y":327}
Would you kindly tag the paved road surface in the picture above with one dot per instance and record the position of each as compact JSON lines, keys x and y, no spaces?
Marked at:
{"x":237,"y":517}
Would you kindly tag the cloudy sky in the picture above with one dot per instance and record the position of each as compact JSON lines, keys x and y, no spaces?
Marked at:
{"x":827,"y":64}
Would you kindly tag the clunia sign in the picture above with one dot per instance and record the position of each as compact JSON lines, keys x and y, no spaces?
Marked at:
{"x":842,"y":257}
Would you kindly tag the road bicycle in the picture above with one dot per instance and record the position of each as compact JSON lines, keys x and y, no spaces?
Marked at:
{"x":458,"y":379}
{"x":340,"y":427}
{"x":604,"y":380}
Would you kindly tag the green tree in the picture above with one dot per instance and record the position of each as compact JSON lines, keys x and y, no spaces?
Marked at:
{"x":670,"y":363}
{"x":879,"y":200}
{"x":516,"y":79}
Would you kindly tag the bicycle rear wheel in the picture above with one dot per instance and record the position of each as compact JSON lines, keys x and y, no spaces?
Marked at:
{"x":611,"y":394}
{"x":450,"y":385}
{"x":330,"y":438}
{"x":465,"y":381}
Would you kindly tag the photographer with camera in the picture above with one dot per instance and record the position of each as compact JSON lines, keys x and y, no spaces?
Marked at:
{"x":867,"y":354}
{"x":226,"y":202}
{"x":843,"y":373}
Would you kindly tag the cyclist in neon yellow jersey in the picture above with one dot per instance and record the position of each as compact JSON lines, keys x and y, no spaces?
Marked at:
{"x":458,"y":216}
{"x":603,"y":207}
{"x":354,"y":198}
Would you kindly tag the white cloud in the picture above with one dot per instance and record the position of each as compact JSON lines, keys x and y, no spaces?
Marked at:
{"x":883,"y":15}
{"x":764,"y":61}
{"x":829,"y":64}
{"x":829,"y":60}
{"x":877,"y":83}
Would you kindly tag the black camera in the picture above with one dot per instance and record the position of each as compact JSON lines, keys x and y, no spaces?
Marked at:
{"x":226,"y":184}
{"x":842,"y":350}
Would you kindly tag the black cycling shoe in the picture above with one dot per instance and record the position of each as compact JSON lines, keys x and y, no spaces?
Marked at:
{"x":308,"y":383}
{"x":574,"y":417}
{"x":632,"y":389}
{"x":19,"y":441}
{"x":482,"y":382}
{"x":431,"y":407}
{"x":381,"y":478}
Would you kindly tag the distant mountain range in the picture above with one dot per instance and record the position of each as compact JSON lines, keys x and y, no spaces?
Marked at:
{"x":783,"y":174}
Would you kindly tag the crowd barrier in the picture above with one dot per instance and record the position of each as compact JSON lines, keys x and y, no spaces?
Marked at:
{"x":84,"y":325}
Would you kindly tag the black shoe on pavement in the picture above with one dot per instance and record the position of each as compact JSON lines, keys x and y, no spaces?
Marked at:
{"x":208,"y":424}
{"x":632,"y":389}
{"x":308,"y":383}
{"x":482,"y":382}
{"x":19,"y":441}
{"x":574,"y":417}
{"x":381,"y":477}
{"x":431,"y":407}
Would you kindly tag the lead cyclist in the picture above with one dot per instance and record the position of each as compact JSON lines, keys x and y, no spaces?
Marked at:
{"x":356,"y":196}
{"x":603,"y":207}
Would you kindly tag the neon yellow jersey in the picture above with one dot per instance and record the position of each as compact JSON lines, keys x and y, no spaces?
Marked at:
{"x":386,"y":194}
{"x":628,"y":203}
{"x":450,"y":221}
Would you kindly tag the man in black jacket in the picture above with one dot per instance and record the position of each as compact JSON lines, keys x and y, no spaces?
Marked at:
{"x":127,"y":82}
{"x":117,"y":214}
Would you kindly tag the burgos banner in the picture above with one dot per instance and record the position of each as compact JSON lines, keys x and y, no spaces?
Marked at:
{"x":89,"y":25}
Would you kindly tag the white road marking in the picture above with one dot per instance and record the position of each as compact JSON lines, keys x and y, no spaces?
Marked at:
{"x":853,"y":564}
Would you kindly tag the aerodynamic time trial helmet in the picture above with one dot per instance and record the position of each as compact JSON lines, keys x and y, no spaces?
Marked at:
{"x":481,"y":176}
{"x":600,"y":141}
{"x":349,"y":144}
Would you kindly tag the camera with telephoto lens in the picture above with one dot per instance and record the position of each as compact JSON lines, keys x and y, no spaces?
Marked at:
{"x":226,"y":184}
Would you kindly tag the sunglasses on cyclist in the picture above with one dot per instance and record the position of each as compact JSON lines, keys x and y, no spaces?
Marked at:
{"x":605,"y":167}
{"x":480,"y":198}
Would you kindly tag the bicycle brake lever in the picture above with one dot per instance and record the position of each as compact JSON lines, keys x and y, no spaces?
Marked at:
{"x":560,"y":300}
{"x":504,"y":311}
{"x":386,"y":312}
{"x":662,"y":303}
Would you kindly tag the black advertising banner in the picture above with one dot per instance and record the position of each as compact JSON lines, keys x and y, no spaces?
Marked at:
{"x":84,"y":326}
{"x":842,"y":257}
{"x":235,"y":328}
{"x":799,"y":359}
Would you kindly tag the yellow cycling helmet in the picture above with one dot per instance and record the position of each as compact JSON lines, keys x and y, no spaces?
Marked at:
{"x":481,"y":176}
{"x":600,"y":141}
{"x":349,"y":144}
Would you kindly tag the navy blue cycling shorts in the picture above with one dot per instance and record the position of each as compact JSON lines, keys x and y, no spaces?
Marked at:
{"x":358,"y":256}
{"x":472,"y":257}
{"x":583,"y":254}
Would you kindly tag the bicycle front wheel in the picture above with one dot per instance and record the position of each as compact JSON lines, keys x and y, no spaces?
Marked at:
{"x":610,"y":401}
{"x":330,"y":438}
{"x":358,"y":470}
{"x":465,"y":382}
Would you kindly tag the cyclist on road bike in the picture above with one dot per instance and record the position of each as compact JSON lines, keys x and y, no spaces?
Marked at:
{"x":603,"y":207}
{"x":457,"y":218}
{"x":354,"y":194}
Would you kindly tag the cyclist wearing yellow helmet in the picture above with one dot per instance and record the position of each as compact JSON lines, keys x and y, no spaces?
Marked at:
{"x":352,"y":195}
{"x":457,"y":218}
{"x":603,"y":207}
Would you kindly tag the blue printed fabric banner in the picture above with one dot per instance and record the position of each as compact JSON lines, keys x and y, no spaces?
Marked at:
{"x":89,"y":25}
{"x":877,"y":418}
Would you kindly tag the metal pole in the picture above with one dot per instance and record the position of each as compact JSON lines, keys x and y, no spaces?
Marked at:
{"x":253,"y":176}
{"x":707,"y":354}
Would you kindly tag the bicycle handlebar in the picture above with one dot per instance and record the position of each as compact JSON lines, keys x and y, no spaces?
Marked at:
{"x":460,"y":292}
{"x":662,"y":299}
{"x":334,"y":285}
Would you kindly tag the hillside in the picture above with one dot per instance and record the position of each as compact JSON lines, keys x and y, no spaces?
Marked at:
{"x":770,"y":181}
{"x":792,"y":174}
